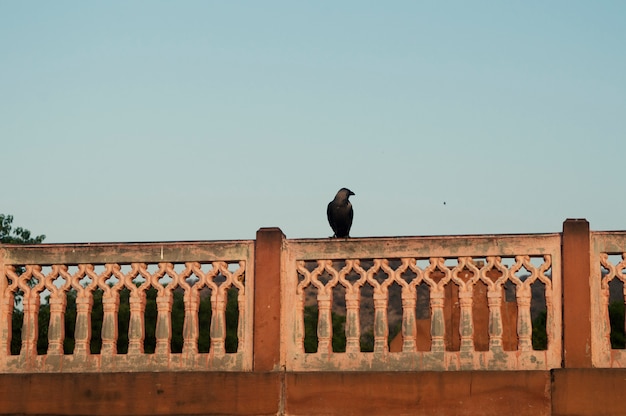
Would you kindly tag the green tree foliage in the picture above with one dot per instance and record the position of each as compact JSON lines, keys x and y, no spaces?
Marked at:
{"x":232,"y":320}
{"x":19,"y":235}
{"x":367,"y":341}
{"x":616,"y":317}
{"x":16,"y":335}
{"x":540,"y":335}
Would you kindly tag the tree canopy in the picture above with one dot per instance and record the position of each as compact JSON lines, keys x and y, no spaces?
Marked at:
{"x":18,"y":235}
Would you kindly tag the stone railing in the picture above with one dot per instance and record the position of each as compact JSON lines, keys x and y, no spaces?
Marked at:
{"x":94,"y":277}
{"x":490,"y":302}
{"x":456,"y":288}
{"x":607,"y":285}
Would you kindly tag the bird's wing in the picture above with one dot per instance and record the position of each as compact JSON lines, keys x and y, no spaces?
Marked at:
{"x":350,"y":215}
{"x":329,"y":214}
{"x":347,"y":216}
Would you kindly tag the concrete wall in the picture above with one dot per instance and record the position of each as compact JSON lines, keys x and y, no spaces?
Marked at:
{"x":559,"y":392}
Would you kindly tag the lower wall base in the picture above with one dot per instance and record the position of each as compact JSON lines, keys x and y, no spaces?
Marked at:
{"x":588,"y":392}
{"x":560,"y":392}
{"x":423,"y":393}
{"x":174,"y":393}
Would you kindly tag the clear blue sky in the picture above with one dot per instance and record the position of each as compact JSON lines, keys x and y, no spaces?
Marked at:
{"x":206,"y":120}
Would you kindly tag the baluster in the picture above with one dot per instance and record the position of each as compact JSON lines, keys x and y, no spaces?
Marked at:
{"x":466,"y":328}
{"x":352,"y":321}
{"x":110,"y":306}
{"x":190,"y":326}
{"x":84,"y":305}
{"x":437,"y":325}
{"x":164,"y":304}
{"x":163,"y":330}
{"x":324,"y":324}
{"x":137,"y":303}
{"x":57,"y":303}
{"x":218,"y":322}
{"x":31,"y":303}
{"x":56,"y":329}
{"x":82,"y":332}
{"x":494,"y":300}
{"x":409,"y":326}
{"x":30,"y":325}
{"x":381,"y":328}
{"x":524,"y":322}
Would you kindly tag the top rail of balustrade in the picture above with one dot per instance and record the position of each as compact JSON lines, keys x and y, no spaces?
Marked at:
{"x":435,"y":246}
{"x":148,"y":252}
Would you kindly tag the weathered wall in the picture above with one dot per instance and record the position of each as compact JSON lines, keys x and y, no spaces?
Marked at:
{"x":588,"y":392}
{"x":562,"y":392}
{"x":423,"y":393}
{"x":182,"y":393}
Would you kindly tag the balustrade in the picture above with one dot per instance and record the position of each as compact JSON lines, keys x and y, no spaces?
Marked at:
{"x":608,"y":290}
{"x":326,"y":275}
{"x":189,"y":272}
{"x":491,"y":302}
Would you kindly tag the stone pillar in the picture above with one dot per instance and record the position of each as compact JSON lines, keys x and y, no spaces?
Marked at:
{"x":576,"y":294}
{"x":267,"y":325}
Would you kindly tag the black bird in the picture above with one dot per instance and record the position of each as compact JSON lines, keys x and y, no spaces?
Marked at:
{"x":340,"y":213}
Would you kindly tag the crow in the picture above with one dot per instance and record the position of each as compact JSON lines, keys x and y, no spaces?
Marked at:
{"x":340,"y":213}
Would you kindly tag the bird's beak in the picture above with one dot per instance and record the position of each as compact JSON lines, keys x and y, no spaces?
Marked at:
{"x":352,"y":193}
